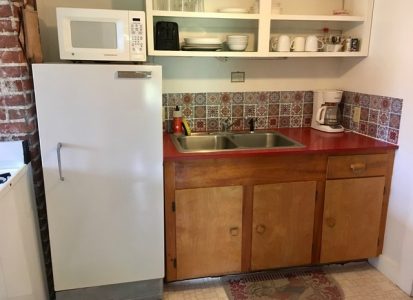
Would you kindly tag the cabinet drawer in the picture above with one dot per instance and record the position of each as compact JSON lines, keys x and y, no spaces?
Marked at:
{"x":356,"y":166}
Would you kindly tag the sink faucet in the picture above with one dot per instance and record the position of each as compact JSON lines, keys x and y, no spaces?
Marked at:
{"x":251,"y":122}
{"x":226,"y":125}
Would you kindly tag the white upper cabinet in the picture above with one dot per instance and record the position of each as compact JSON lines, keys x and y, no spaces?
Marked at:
{"x":297,"y":18}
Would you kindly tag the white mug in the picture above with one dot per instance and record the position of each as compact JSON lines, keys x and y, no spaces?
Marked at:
{"x":333,"y":47}
{"x":313,"y":44}
{"x":298,"y":44}
{"x":282,"y":44}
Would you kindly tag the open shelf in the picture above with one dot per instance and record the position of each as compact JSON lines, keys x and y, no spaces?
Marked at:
{"x":299,"y":19}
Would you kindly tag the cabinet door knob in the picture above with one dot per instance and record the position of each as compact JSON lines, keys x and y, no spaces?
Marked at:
{"x":358,"y":168}
{"x":331,"y":222}
{"x":234,"y":231}
{"x":260,"y":229}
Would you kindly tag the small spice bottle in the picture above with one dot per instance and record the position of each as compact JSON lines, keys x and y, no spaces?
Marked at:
{"x":177,"y":127}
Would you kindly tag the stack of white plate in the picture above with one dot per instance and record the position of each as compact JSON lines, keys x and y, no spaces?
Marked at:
{"x":237,"y":42}
{"x":202,"y":43}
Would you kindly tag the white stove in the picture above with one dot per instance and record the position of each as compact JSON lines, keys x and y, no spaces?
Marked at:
{"x":4,"y":176}
{"x":22,"y":274}
{"x":11,"y":161}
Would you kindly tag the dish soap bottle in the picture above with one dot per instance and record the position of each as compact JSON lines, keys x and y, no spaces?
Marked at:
{"x":177,"y":128}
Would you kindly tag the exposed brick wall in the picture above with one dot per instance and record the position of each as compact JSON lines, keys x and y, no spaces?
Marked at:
{"x":17,"y":108}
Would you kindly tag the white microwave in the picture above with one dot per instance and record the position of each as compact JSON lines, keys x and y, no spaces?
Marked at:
{"x":101,"y":34}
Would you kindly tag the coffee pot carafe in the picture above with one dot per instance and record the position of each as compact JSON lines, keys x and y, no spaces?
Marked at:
{"x":329,"y":114}
{"x":326,"y":111}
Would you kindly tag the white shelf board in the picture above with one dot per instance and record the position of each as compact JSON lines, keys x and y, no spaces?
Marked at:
{"x":205,"y":53}
{"x":315,"y":54}
{"x":204,"y":15}
{"x":317,"y":18}
{"x":253,"y":54}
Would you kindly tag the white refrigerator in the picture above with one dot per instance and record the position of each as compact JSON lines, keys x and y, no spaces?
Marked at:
{"x":100,"y":132}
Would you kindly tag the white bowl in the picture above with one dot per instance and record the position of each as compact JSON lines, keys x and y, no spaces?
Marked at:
{"x":237,"y":38}
{"x":237,"y":46}
{"x":237,"y":42}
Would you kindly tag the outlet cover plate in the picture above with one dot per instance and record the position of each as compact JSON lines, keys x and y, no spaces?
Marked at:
{"x":237,"y":76}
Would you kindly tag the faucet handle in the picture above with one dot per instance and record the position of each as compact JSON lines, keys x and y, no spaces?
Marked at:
{"x":251,"y":122}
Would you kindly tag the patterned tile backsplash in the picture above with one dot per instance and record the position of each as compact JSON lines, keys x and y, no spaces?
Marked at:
{"x":380,"y":116}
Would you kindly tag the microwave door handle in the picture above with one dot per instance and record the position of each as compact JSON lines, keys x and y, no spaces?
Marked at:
{"x":134,"y":74}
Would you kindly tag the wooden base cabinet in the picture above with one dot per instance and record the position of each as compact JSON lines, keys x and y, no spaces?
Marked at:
{"x":352,"y":213}
{"x":282,"y":227}
{"x":208,"y":231}
{"x":355,"y":206}
{"x":234,"y":215}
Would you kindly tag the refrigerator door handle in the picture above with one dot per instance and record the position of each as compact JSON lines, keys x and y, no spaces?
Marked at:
{"x":134,"y":74}
{"x":59,"y":162}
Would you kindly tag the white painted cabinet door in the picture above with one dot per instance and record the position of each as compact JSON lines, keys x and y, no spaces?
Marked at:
{"x":106,"y":216}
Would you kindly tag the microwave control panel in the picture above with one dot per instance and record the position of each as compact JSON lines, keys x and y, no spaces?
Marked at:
{"x":137,"y":36}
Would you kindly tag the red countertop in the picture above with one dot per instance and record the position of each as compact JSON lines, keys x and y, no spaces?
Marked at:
{"x":314,"y":141}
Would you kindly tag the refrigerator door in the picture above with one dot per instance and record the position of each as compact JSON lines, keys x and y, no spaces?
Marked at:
{"x":105,"y":202}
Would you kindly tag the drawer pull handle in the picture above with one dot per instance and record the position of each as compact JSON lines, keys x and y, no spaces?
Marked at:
{"x":358,"y":168}
{"x":234,"y":231}
{"x":260,"y":229}
{"x":331,"y":222}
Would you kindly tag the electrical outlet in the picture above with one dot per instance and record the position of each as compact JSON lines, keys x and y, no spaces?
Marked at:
{"x":237,"y":76}
{"x":356,"y":114}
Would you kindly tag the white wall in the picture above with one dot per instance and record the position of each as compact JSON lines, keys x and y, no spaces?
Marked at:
{"x":388,"y":71}
{"x":214,"y":75}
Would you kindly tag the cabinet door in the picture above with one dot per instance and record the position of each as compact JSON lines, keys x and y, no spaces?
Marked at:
{"x":208,"y":231}
{"x":283,"y":221}
{"x":352,"y":211}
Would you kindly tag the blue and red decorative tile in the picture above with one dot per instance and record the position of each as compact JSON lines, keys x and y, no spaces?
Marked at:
{"x":397,"y":105}
{"x":274,"y":97}
{"x":237,"y":111}
{"x":213,"y":98}
{"x":200,"y":99}
{"x":394,"y":121}
{"x":274,"y":110}
{"x":212,"y":111}
{"x":273,"y":122}
{"x":226,"y":99}
{"x":249,"y":111}
{"x":393,"y":136}
{"x":380,"y":116}
{"x":200,"y":125}
{"x":262,"y":110}
{"x":212,"y":124}
{"x":200,"y":111}
{"x":284,"y":122}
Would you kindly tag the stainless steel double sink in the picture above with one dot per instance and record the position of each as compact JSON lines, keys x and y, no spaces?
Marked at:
{"x":230,"y":141}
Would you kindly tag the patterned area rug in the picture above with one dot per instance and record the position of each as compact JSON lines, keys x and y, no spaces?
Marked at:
{"x":308,"y":285}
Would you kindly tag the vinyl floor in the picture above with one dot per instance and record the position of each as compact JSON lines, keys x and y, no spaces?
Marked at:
{"x":359,"y":281}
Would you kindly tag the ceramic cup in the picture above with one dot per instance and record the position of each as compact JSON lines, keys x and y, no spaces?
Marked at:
{"x":333,"y":47}
{"x":282,"y":44}
{"x":313,"y":44}
{"x":298,"y":44}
